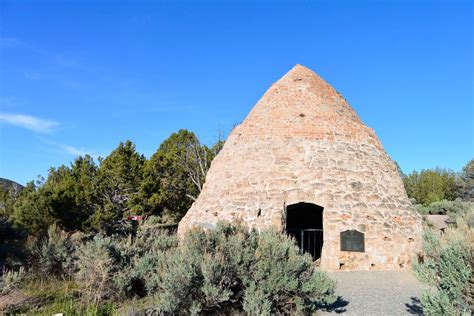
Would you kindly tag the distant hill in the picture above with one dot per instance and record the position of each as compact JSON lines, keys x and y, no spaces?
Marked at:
{"x":6,"y":184}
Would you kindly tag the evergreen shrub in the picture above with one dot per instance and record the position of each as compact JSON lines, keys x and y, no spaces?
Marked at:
{"x":447,"y":266}
{"x":232,"y":269}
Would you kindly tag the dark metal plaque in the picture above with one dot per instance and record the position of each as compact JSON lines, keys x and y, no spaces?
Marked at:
{"x":352,"y":240}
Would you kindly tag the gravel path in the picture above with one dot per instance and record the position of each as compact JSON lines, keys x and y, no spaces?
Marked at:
{"x":376,"y":293}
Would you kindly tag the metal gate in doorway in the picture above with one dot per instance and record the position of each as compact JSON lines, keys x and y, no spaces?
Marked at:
{"x":309,"y":241}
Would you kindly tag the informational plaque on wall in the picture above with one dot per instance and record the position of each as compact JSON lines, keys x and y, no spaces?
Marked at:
{"x":352,"y":240}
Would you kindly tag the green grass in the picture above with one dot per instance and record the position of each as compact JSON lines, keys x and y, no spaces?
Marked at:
{"x":60,"y":296}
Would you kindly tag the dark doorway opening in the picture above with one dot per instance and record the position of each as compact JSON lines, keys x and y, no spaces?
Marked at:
{"x":304,"y":221}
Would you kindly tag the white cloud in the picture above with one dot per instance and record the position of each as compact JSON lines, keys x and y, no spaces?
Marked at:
{"x":76,"y":151}
{"x":31,"y":123}
{"x":68,"y":149}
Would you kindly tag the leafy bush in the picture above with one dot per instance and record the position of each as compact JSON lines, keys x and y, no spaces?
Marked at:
{"x":95,"y":266}
{"x":225,"y":270}
{"x":447,"y":266}
{"x":151,"y":237}
{"x":53,"y":255}
{"x":431,"y":185}
{"x":466,"y":183}
{"x":451,"y":208}
{"x":11,"y":280}
{"x":283,"y":281}
{"x":32,"y":210}
{"x":139,"y":262}
{"x":230,"y":268}
{"x":112,"y":267}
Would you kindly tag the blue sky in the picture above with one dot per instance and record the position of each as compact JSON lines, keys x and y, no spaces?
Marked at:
{"x":79,"y":77}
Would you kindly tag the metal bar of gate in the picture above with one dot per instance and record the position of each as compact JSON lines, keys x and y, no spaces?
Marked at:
{"x":302,"y":242}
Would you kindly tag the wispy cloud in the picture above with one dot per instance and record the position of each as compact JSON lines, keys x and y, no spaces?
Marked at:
{"x":28,"y":122}
{"x":76,"y":151}
{"x":68,"y":149}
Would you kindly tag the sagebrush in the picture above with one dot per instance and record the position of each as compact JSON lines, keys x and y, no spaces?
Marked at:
{"x":447,"y":267}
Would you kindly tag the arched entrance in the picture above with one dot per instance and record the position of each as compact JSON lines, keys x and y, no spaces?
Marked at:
{"x":304,"y":221}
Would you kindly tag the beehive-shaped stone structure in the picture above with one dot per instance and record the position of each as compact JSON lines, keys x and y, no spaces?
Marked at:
{"x":303,"y":151}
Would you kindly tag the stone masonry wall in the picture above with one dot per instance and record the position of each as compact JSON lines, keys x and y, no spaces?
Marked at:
{"x":302,"y":142}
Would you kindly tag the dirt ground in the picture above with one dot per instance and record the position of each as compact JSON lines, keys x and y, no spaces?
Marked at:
{"x":376,"y":293}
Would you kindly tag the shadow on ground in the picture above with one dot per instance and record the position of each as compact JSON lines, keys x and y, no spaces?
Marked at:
{"x":415,"y":307}
{"x":337,"y":307}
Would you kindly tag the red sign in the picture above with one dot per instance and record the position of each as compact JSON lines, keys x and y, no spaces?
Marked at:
{"x":135,"y":218}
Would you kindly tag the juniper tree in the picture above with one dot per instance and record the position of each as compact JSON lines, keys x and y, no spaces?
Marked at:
{"x":118,"y":182}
